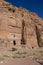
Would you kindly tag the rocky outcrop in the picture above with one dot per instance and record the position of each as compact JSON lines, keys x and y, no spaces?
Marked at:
{"x":20,"y":26}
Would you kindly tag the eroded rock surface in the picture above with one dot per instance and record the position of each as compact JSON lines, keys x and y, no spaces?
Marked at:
{"x":19,"y":26}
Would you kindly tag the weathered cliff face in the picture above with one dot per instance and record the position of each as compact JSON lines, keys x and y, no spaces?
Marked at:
{"x":19,"y":26}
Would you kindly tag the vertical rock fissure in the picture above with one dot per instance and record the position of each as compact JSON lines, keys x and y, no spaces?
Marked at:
{"x":38,"y":35}
{"x":22,"y":33}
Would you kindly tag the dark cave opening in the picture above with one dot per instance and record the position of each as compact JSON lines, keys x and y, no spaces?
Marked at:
{"x":14,"y":42}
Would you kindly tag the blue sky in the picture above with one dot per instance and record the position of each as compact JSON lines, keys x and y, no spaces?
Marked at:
{"x":32,"y":5}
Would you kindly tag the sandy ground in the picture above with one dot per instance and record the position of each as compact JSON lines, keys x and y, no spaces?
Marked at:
{"x":19,"y":61}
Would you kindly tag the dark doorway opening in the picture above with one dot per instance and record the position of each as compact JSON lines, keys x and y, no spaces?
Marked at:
{"x":14,"y":42}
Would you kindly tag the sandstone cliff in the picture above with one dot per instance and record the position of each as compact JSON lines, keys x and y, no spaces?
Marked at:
{"x":20,"y":25}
